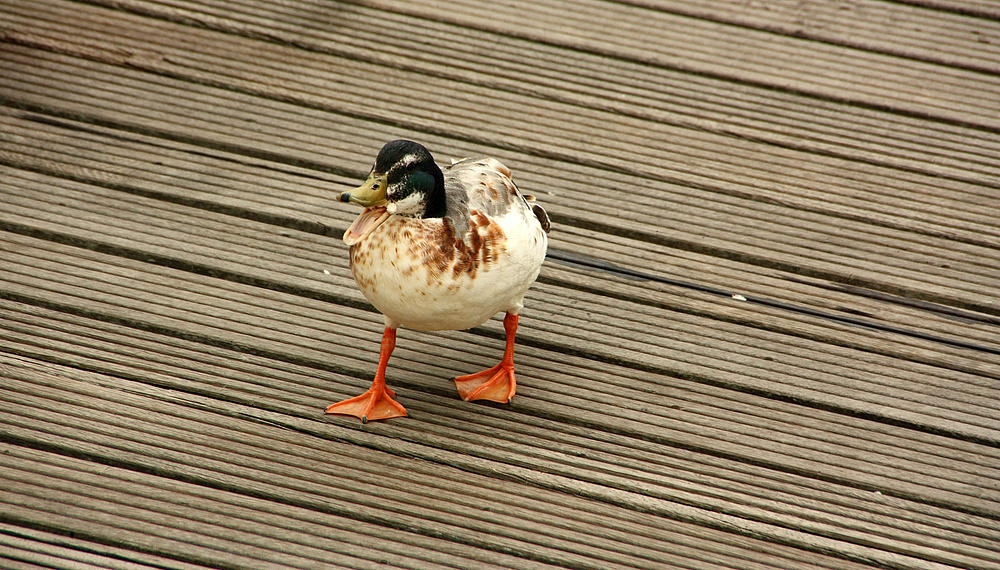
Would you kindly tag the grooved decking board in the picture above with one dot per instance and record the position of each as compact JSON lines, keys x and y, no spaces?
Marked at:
{"x":631,"y":32}
{"x":898,"y":29}
{"x":93,"y":155}
{"x":35,"y":548}
{"x":766,"y":335}
{"x":974,"y":8}
{"x":267,"y":384}
{"x":315,"y":472}
{"x":281,"y":440}
{"x":745,"y":55}
{"x":223,"y":249}
{"x":202,"y":317}
{"x":266,"y":73}
{"x":843,"y":250}
{"x":503,"y":62}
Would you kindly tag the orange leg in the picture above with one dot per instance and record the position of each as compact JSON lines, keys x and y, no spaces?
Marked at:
{"x":377,"y":403}
{"x":496,"y":384}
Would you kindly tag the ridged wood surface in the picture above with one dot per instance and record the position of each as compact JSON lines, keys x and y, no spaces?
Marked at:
{"x":766,"y":334}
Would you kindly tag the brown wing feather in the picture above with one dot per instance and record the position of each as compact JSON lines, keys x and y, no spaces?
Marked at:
{"x":543,"y":218}
{"x":484,"y":185}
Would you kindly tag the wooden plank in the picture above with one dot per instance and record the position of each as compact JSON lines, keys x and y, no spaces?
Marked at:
{"x":739,"y":54}
{"x":187,"y":176}
{"x":213,"y":184}
{"x":856,"y":387}
{"x":975,"y":8}
{"x":920,"y":264}
{"x":47,"y":499}
{"x":443,"y":349}
{"x":727,"y":278}
{"x":631,"y":32}
{"x":126,"y":353}
{"x":132,"y":514}
{"x":220,"y":62}
{"x":658,"y":425}
{"x":587,"y":80}
{"x":502,"y":61}
{"x":284,"y":421}
{"x":309,"y":473}
{"x":699,"y":405}
{"x":959,"y":39}
{"x":265,"y":530}
{"x":34,"y":548}
{"x":139,"y":59}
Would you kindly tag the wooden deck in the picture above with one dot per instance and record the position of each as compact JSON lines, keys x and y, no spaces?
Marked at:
{"x":767,"y":334}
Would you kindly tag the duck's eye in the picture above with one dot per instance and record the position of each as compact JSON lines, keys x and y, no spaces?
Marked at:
{"x":410,"y":166}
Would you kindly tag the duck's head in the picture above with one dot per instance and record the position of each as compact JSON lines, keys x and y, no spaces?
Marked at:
{"x":404,"y":181}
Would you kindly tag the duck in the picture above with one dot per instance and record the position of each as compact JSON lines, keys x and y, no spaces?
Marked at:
{"x":442,"y":249}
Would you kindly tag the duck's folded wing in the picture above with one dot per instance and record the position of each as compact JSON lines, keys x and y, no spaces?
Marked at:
{"x":482,"y":184}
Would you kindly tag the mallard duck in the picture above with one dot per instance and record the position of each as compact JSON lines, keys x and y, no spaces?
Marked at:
{"x":441,"y":250}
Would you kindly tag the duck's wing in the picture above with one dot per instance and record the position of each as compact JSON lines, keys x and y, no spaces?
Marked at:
{"x":485,"y":184}
{"x":482,"y":184}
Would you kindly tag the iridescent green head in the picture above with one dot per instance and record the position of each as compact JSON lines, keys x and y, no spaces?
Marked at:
{"x":405,"y":180}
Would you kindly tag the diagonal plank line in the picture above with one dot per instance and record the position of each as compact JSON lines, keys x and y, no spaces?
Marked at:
{"x":587,"y":262}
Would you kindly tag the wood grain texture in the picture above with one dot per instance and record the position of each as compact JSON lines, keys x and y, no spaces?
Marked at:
{"x":408,"y":504}
{"x":749,"y":225}
{"x":766,"y":335}
{"x":77,"y":151}
{"x":211,"y":320}
{"x":218,"y":252}
{"x":960,"y":39}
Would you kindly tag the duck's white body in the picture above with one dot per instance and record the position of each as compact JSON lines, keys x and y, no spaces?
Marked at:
{"x":454,"y":272}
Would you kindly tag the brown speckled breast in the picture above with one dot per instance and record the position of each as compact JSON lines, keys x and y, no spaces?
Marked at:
{"x":457,"y":271}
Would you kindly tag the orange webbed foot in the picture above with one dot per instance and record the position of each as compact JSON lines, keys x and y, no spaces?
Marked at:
{"x":375,"y":404}
{"x":496,"y":384}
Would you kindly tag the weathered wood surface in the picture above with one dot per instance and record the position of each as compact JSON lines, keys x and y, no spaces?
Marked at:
{"x":766,"y":336}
